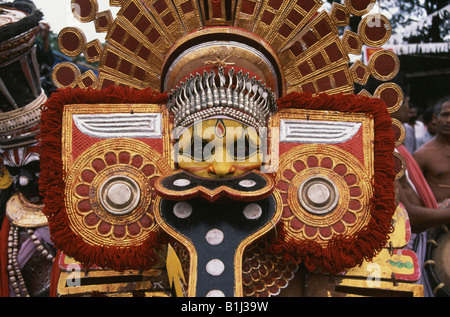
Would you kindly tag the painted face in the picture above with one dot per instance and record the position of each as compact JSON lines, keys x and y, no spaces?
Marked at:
{"x":219,"y":148}
{"x":24,"y":167}
{"x":443,"y":119}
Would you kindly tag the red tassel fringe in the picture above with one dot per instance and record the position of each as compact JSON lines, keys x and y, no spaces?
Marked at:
{"x":341,"y":253}
{"x":52,"y":184}
{"x":344,"y":252}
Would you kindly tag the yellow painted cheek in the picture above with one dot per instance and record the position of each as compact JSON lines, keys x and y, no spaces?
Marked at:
{"x":220,"y":164}
{"x":222,"y":169}
{"x":194,"y":167}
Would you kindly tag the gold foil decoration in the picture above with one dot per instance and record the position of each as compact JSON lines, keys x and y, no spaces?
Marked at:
{"x":138,"y":21}
{"x":358,"y":7}
{"x":167,"y":18}
{"x":370,"y":28}
{"x":293,"y":19}
{"x":77,"y":280}
{"x":79,"y":9}
{"x":25,"y":214}
{"x":65,"y":75}
{"x":352,"y":199}
{"x":329,"y":54}
{"x":127,"y":68}
{"x":189,"y":13}
{"x":90,"y":213}
{"x":309,"y":38}
{"x":360,"y":72}
{"x":246,"y":13}
{"x":396,"y":92}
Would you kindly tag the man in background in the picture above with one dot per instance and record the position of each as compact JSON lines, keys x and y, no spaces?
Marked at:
{"x":414,"y":128}
{"x":417,"y":197}
{"x":429,"y":120}
{"x":433,"y":158}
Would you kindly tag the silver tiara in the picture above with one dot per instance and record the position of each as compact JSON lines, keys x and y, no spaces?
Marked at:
{"x":203,"y":96}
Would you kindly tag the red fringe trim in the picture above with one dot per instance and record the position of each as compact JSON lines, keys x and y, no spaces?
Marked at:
{"x":52,"y":184}
{"x":54,"y":276}
{"x":344,"y":252}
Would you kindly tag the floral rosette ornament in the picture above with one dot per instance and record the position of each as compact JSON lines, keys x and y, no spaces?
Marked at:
{"x":315,"y":185}
{"x":109,"y":186}
{"x":337,"y":192}
{"x":102,"y":209}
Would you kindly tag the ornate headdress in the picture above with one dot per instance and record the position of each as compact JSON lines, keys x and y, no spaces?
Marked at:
{"x":228,"y":55}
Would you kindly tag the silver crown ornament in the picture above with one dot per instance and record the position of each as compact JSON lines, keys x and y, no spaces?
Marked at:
{"x":236,"y":95}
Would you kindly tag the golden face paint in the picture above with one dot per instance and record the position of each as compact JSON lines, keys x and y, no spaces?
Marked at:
{"x":218,"y":148}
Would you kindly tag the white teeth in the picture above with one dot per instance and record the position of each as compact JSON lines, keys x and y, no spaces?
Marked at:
{"x":215,"y":267}
{"x":252,"y":211}
{"x":214,"y":236}
{"x":182,"y":209}
{"x":181,"y":182}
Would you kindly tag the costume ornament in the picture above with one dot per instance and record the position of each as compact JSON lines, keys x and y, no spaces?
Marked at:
{"x":225,"y":139}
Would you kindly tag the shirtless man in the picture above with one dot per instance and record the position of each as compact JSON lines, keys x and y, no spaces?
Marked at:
{"x":433,"y":157}
{"x":422,"y":217}
{"x":419,"y":201}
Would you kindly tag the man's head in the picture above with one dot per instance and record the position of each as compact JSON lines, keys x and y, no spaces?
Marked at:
{"x":402,"y":114}
{"x":442,"y":113}
{"x":219,"y":148}
{"x":413,"y":113}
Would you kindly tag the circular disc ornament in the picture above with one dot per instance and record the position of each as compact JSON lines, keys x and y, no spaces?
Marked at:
{"x":375,"y":30}
{"x":318,"y":195}
{"x":399,"y":130}
{"x":399,"y":165}
{"x":384,"y":65}
{"x":359,"y":7}
{"x":84,"y":10}
{"x":109,"y":193}
{"x":71,"y":41}
{"x":391,"y":94}
{"x":88,"y":79}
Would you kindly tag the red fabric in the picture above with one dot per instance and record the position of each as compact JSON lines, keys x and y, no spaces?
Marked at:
{"x":417,"y":178}
{"x":4,"y":277}
{"x":344,"y":252}
{"x":54,"y":277}
{"x":216,"y":8}
{"x":51,"y":180}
